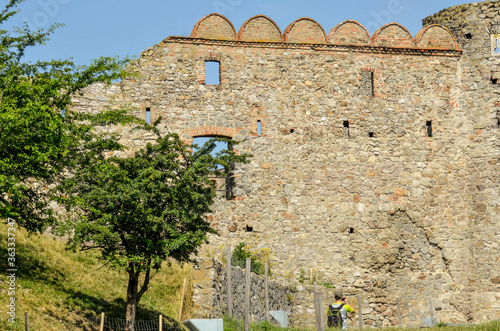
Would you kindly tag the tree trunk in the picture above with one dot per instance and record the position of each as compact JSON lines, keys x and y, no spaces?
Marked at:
{"x":133,"y":282}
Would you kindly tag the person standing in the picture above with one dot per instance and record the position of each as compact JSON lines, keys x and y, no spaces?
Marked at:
{"x":337,"y":312}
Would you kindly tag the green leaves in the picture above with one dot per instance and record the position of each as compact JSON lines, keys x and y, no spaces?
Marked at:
{"x":39,"y":146}
{"x":144,"y":209}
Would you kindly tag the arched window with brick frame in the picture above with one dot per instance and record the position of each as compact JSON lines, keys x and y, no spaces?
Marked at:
{"x":223,"y":184}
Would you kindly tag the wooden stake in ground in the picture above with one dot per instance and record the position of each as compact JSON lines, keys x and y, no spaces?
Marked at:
{"x":399,"y":313}
{"x":102,"y":322}
{"x":247,"y":294}
{"x":360,"y":309}
{"x":182,"y":299}
{"x":161,"y":323}
{"x":26,"y":322}
{"x":318,"y":307}
{"x":267,"y":290}
{"x":432,"y":312}
{"x":229,"y":282}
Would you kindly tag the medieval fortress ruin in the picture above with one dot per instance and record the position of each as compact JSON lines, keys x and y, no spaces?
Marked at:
{"x":375,"y":158}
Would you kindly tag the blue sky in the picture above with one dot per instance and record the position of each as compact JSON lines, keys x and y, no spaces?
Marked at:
{"x":96,"y":28}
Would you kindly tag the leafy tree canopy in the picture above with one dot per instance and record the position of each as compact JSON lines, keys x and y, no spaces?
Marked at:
{"x":38,"y":143}
{"x":140,"y":211}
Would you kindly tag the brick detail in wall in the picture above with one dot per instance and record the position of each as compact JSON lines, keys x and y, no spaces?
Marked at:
{"x":435,"y":36}
{"x":212,"y":131}
{"x":260,"y":28}
{"x":214,"y":26}
{"x":305,"y":30}
{"x":392,"y":35}
{"x":349,"y":33}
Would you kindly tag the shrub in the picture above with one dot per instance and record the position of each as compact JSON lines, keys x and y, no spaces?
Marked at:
{"x":258,"y":258}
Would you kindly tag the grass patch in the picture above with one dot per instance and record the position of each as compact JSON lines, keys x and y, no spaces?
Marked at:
{"x":238,"y":325}
{"x":62,"y":290}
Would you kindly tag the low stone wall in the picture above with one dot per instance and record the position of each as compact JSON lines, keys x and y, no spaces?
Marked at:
{"x":210,"y":295}
{"x":210,"y":292}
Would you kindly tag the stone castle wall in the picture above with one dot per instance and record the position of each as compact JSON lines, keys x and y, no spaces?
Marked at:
{"x":377,"y":163}
{"x":474,"y":24}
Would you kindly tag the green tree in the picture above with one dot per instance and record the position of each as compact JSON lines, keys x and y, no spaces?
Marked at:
{"x":140,"y":211}
{"x":39,"y":144}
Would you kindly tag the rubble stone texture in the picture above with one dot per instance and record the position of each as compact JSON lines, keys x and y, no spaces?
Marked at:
{"x":377,"y":164}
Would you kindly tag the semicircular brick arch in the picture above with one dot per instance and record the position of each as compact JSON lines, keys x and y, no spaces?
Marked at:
{"x":260,"y":28}
{"x":219,"y":131}
{"x":214,"y":26}
{"x":349,"y":32}
{"x":393,"y":35}
{"x":435,"y":36}
{"x":305,"y":30}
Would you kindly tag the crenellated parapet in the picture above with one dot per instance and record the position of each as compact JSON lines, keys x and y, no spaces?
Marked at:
{"x":305,"y":30}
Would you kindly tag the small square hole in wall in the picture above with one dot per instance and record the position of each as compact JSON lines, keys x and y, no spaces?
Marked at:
{"x":494,"y":80}
{"x":212,"y":73}
{"x":468,"y":36}
{"x":292,"y":130}
{"x":371,"y":134}
{"x":351,"y":230}
{"x":249,"y":228}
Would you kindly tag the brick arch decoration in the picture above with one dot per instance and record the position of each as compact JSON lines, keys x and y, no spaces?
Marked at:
{"x":393,"y":35}
{"x":260,"y":28}
{"x":219,"y":131}
{"x":349,"y":32}
{"x":305,"y":30}
{"x":214,"y":26}
{"x":436,"y":36}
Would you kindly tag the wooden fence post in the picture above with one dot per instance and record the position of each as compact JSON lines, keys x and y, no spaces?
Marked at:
{"x":26,"y":322}
{"x":432,"y":312}
{"x":318,"y":307}
{"x":266,"y":291}
{"x":229,"y":282}
{"x":182,"y":298}
{"x":161,"y":323}
{"x":399,"y":314}
{"x":102,"y":322}
{"x":360,"y":309}
{"x":247,"y":294}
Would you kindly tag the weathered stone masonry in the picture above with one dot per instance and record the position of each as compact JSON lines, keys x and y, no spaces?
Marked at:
{"x":377,"y":164}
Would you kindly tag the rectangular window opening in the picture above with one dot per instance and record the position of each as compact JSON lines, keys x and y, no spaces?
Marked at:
{"x":292,"y":130}
{"x":148,"y":115}
{"x":429,"y":128}
{"x":367,"y":83}
{"x":346,"y":128}
{"x":212,"y":73}
{"x":259,"y":127}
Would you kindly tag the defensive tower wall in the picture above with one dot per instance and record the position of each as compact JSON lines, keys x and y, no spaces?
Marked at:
{"x":375,"y":158}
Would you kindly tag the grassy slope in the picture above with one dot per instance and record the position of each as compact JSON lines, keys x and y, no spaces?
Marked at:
{"x":60,"y":290}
